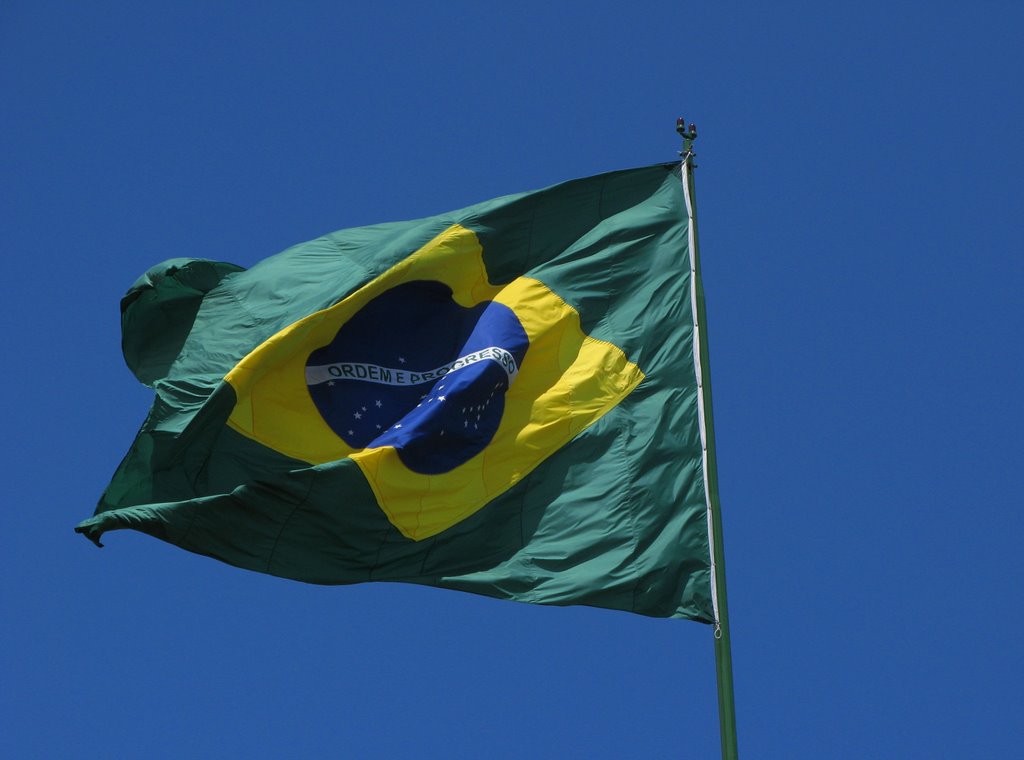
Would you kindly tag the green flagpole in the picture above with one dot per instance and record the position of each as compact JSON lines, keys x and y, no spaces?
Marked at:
{"x":723,"y":648}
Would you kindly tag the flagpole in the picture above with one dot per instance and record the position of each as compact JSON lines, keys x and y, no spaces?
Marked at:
{"x":723,"y":648}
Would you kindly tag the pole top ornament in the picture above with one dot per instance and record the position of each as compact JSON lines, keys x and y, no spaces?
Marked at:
{"x":689,"y":134}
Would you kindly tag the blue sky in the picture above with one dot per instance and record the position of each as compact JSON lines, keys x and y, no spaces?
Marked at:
{"x":861,"y":225}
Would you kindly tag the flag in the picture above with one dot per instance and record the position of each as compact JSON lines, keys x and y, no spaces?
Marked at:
{"x":502,"y":399}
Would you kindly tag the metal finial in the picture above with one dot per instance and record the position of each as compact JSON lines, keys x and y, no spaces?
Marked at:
{"x":689,"y":134}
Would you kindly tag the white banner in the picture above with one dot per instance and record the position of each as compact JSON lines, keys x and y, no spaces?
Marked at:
{"x":374,"y":373}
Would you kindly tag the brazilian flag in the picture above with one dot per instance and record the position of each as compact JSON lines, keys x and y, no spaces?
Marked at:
{"x":503,"y":399}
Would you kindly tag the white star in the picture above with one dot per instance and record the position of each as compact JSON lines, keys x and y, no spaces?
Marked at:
{"x":401,"y":359}
{"x":358,"y":416}
{"x":398,"y":426}
{"x":364,"y":408}
{"x":378,"y":427}
{"x":379,"y":405}
{"x":351,"y":432}
{"x":330,"y":383}
{"x":441,"y":398}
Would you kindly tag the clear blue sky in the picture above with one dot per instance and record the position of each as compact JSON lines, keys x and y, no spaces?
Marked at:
{"x":860,"y":210}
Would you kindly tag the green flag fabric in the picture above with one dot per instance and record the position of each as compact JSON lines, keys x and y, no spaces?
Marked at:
{"x":502,"y":399}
